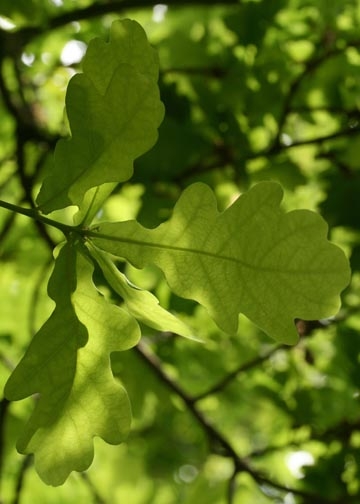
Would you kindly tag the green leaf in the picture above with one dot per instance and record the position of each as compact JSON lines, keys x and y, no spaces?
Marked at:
{"x":68,"y":365}
{"x":114,"y":110}
{"x":143,"y":305}
{"x":93,"y":200}
{"x":252,"y":258}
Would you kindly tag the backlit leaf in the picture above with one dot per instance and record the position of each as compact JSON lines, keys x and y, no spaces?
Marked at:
{"x":143,"y":305}
{"x":68,"y":364}
{"x":253,"y":258}
{"x":114,"y":110}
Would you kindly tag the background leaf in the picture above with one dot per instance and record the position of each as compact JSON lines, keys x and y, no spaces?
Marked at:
{"x":252,"y":258}
{"x":114,"y":111}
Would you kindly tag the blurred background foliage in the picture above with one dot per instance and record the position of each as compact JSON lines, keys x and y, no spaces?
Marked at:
{"x":254,"y":90}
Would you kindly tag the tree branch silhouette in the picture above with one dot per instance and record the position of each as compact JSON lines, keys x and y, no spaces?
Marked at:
{"x":240,"y":464}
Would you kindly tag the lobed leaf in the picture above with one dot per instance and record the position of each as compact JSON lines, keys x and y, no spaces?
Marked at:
{"x":252,"y":258}
{"x":142,"y":304}
{"x":114,"y":110}
{"x":68,"y":365}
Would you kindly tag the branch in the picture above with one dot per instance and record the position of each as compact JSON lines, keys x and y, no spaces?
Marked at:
{"x":26,"y":129}
{"x":304,"y":328}
{"x":152,"y":360}
{"x":115,"y":6}
{"x":4,"y":404}
{"x":215,"y":72}
{"x":218,"y":387}
{"x":7,"y":226}
{"x":276,"y":148}
{"x":96,"y":496}
{"x":5,"y":94}
{"x":26,"y":463}
{"x":240,"y":465}
{"x":225,"y":155}
{"x":24,"y":35}
{"x":310,"y":67}
{"x":27,"y":184}
{"x":231,"y":492}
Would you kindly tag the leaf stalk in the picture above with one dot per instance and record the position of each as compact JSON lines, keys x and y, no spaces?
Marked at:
{"x":33,"y":214}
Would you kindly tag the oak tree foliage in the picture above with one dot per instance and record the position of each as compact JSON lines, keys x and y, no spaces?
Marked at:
{"x":163,"y":242}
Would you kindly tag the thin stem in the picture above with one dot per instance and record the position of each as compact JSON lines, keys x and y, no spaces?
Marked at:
{"x":220,"y":385}
{"x":33,"y":214}
{"x":87,"y":213}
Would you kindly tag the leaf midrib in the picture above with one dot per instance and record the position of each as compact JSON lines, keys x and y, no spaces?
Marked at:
{"x":206,"y":253}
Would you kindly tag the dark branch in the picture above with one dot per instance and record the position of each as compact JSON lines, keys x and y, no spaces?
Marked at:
{"x":317,"y":140}
{"x":310,"y":67}
{"x":218,"y":387}
{"x":23,"y":36}
{"x":26,"y":463}
{"x":27,"y":185}
{"x":100,"y":9}
{"x":151,"y":359}
{"x":231,"y":493}
{"x":4,"y":404}
{"x":240,"y":465}
{"x":96,"y":496}
{"x":215,"y":72}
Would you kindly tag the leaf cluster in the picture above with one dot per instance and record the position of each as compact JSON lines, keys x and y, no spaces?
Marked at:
{"x":226,"y":244}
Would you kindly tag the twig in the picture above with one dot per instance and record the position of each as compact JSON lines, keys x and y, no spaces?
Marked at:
{"x":275,"y":149}
{"x":225,"y":156}
{"x":218,"y":387}
{"x":304,"y":329}
{"x":310,"y":67}
{"x":33,"y":214}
